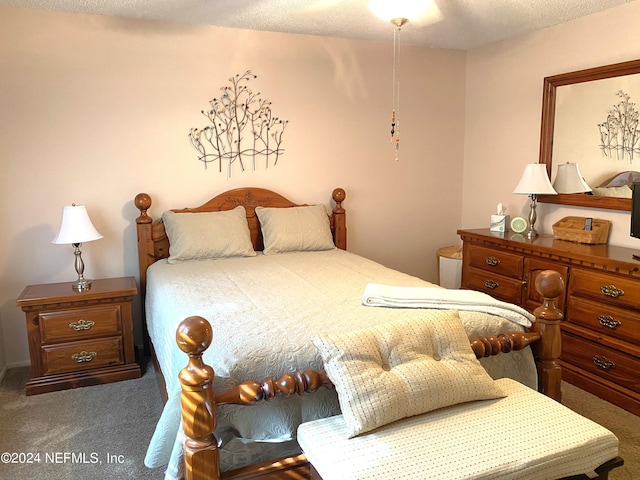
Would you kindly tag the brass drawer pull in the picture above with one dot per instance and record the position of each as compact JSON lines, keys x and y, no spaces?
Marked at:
{"x":84,"y":356}
{"x":602,"y":362}
{"x":611,"y":291}
{"x":82,"y":325}
{"x":608,"y":321}
{"x":492,"y":261}
{"x":491,"y":284}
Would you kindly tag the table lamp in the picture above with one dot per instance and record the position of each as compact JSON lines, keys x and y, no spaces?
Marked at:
{"x":534,"y":182}
{"x":569,"y":179}
{"x":76,"y":228}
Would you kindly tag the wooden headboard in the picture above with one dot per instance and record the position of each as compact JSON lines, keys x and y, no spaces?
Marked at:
{"x":153,"y":243}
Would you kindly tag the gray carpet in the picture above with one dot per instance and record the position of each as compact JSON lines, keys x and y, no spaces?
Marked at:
{"x":98,"y":432}
{"x":113,"y":423}
{"x":625,"y":425}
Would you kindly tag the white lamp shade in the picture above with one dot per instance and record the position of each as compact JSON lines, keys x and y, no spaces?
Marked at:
{"x":76,"y":227}
{"x":569,"y":179}
{"x":535,"y":181}
{"x":390,"y":9}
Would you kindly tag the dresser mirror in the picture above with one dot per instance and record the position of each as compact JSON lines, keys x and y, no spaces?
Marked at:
{"x":590,"y":117}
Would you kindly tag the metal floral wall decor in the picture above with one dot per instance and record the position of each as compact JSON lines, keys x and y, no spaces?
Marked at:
{"x":620,"y":133}
{"x":241,"y":127}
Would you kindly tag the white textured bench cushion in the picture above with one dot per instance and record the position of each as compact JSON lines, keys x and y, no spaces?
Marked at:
{"x":525,"y":435}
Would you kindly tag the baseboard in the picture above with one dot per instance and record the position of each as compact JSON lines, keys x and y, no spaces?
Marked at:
{"x":24,"y":363}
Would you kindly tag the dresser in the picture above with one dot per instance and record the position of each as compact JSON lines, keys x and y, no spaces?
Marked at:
{"x":601,"y":303}
{"x":79,"y":338}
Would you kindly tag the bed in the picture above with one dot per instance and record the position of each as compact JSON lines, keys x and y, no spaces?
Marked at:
{"x":290,"y":278}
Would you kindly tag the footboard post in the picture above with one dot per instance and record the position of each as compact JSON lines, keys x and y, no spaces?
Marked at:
{"x":550,"y":285}
{"x":201,"y":456}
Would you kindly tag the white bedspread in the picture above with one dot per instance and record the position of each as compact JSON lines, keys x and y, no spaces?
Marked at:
{"x":270,"y":306}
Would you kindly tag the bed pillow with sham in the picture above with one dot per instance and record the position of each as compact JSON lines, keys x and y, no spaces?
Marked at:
{"x":208,"y":235}
{"x":403,"y":368}
{"x":295,"y":229}
{"x":623,"y":191}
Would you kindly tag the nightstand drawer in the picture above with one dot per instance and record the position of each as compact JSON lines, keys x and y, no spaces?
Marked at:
{"x":504,"y":263}
{"x":498,"y":286}
{"x":602,"y":361}
{"x":84,"y":355}
{"x":623,"y":292}
{"x":604,"y":319}
{"x":80,"y":323}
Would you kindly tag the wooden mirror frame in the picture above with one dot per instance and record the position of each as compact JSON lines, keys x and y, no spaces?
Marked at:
{"x":546,"y":133}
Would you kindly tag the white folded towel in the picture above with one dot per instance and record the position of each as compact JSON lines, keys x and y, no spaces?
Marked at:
{"x":377,"y":295}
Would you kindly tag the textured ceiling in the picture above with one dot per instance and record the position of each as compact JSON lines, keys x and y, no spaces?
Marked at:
{"x":459,"y":24}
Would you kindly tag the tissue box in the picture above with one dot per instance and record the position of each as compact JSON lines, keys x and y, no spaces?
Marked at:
{"x":499,"y":223}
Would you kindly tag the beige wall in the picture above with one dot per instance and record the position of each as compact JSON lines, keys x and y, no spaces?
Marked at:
{"x":97,"y":109}
{"x":504,"y":104}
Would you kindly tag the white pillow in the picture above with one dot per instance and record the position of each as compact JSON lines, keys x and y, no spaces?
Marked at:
{"x":295,"y":229}
{"x":623,"y":191}
{"x":208,"y":235}
{"x":403,"y":368}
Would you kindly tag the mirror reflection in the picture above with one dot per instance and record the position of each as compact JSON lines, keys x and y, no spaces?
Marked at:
{"x":597,"y":127}
{"x":591,"y":118}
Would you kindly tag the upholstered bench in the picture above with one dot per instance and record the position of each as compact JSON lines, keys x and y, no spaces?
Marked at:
{"x":523,"y":435}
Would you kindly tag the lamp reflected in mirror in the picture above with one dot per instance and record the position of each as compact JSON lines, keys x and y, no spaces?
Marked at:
{"x":569,"y":179}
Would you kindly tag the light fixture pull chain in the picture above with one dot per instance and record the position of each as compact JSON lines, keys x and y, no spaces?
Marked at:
{"x":395,"y":115}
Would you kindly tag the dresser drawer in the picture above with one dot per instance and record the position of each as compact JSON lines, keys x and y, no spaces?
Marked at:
{"x":80,"y":323}
{"x":613,"y":290}
{"x":84,"y":355}
{"x":602,"y":361}
{"x":498,"y":286}
{"x":604,"y":319}
{"x":496,"y":261}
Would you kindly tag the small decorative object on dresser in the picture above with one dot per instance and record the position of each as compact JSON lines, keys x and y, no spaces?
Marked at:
{"x":518,"y":224}
{"x":582,"y":230}
{"x":601,"y":327}
{"x":500,"y":221}
{"x":79,"y":338}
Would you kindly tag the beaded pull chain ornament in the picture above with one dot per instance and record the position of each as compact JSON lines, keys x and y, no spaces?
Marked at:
{"x":395,"y":113}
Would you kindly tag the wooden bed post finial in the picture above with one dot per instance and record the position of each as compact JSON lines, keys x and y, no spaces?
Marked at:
{"x":550,"y":285}
{"x":339,"y":218}
{"x":143,"y":203}
{"x":201,"y":456}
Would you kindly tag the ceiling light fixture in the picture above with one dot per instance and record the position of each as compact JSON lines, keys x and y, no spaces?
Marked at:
{"x":398,"y":12}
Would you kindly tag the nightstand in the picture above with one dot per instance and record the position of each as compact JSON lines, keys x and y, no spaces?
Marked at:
{"x":78,"y":339}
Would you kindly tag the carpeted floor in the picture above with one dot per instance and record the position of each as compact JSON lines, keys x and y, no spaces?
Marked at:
{"x":625,"y":425}
{"x":89,"y":433}
{"x":102,"y":432}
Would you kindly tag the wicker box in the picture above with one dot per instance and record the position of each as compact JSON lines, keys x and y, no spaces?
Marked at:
{"x":572,"y":229}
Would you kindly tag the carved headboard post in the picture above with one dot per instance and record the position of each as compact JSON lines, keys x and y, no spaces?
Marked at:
{"x":144,"y":228}
{"x":550,"y":285}
{"x":339,"y":219}
{"x":145,"y":239}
